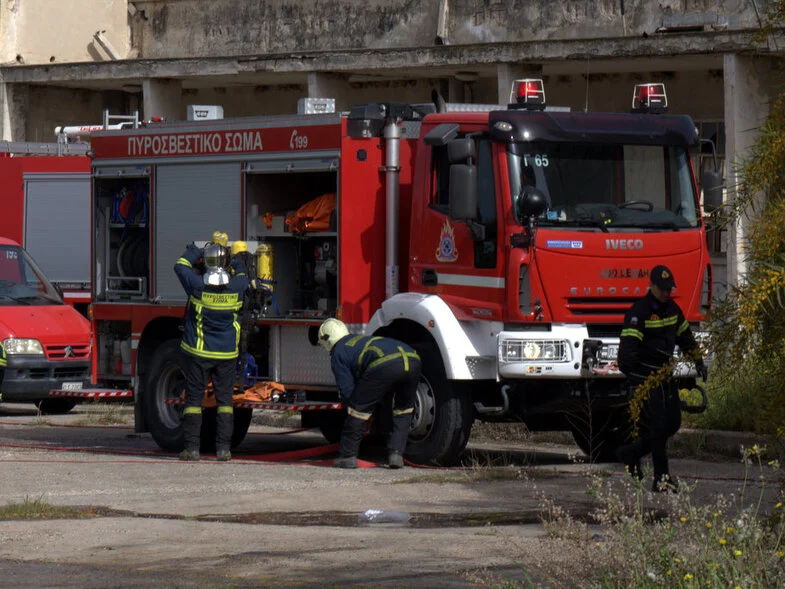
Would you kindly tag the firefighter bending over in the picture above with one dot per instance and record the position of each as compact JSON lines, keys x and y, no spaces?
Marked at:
{"x":652,"y":328}
{"x":368,"y":370}
{"x":210,"y":340}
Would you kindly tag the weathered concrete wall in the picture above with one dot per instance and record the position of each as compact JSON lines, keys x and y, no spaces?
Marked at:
{"x":49,"y":107}
{"x":178,"y":28}
{"x":238,"y":27}
{"x":47,"y":31}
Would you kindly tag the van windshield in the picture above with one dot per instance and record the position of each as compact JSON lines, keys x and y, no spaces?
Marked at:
{"x":22,"y":282}
{"x":607,"y":185}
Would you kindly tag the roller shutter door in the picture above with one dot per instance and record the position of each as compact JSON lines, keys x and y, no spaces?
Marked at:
{"x":192,"y":201}
{"x":57,"y":225}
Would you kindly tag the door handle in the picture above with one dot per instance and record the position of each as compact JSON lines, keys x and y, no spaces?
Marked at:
{"x":429,"y":277}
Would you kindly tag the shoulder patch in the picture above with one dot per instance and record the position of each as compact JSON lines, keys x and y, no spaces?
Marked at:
{"x":633,"y":321}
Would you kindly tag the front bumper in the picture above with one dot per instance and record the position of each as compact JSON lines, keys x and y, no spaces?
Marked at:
{"x":564,"y":352}
{"x":30,"y":378}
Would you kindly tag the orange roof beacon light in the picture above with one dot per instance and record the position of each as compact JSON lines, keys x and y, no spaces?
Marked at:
{"x":649,"y":98}
{"x":528,"y":94}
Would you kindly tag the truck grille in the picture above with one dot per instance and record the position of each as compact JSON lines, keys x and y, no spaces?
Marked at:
{"x":600,"y":305}
{"x":64,"y":352}
{"x":70,"y":372}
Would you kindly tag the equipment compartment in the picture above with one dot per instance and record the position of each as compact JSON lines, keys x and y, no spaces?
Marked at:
{"x":303,"y":250}
{"x":122,"y":209}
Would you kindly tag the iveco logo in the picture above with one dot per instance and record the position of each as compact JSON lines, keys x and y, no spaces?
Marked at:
{"x":69,"y":351}
{"x":623,"y":244}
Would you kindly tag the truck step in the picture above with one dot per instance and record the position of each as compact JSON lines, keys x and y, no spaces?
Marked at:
{"x":271,"y":406}
{"x":92,"y":393}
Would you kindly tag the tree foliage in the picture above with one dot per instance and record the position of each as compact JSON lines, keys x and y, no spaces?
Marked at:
{"x":748,"y":324}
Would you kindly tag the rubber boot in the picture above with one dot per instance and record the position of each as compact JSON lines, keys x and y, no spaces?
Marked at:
{"x":397,"y":442}
{"x":224,"y":426}
{"x":352,"y":435}
{"x":192,"y":430}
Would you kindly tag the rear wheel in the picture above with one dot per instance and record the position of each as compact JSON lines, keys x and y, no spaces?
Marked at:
{"x":164,"y":419}
{"x":443,"y":416}
{"x":55,"y":406}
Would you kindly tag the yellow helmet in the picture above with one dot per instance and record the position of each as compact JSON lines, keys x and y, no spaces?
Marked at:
{"x":220,"y":237}
{"x":239,"y":246}
{"x":331,"y":332}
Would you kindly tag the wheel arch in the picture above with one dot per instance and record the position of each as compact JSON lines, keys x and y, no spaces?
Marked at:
{"x":429,"y":318}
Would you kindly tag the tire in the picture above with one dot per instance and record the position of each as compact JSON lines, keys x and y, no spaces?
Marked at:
{"x":329,"y":423}
{"x":242,"y":421}
{"x":55,"y":406}
{"x":167,"y":381}
{"x":600,"y":437}
{"x":443,"y":415}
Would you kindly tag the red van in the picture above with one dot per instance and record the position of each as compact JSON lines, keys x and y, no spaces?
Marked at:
{"x":47,"y":342}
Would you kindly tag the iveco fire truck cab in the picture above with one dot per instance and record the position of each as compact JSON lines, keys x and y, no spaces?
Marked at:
{"x":504,"y":244}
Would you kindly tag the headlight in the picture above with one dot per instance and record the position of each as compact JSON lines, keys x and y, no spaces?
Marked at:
{"x":512,"y":350}
{"x":30,"y":347}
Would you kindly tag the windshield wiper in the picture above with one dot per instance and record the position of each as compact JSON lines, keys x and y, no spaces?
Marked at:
{"x":658,"y":225}
{"x":577,"y":223}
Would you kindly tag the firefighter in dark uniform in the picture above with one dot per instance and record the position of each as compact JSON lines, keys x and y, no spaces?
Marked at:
{"x":652,"y":328}
{"x":210,"y":340}
{"x":368,"y":370}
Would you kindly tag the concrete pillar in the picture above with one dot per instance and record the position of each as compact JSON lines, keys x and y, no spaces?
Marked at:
{"x":324,"y":85}
{"x":162,"y":98}
{"x":507,"y":72}
{"x":13,"y":111}
{"x":748,"y":92}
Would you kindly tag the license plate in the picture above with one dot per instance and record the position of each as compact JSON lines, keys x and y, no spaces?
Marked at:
{"x":72,"y":386}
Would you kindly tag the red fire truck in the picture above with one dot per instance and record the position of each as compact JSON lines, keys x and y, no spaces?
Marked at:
{"x":505,"y":245}
{"x":46,"y":206}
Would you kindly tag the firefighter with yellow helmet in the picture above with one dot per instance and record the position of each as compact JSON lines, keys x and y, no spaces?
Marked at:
{"x":210,"y":338}
{"x":368,"y":370}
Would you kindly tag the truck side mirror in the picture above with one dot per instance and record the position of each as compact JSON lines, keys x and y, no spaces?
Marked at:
{"x":461,"y":151}
{"x":711,"y":182}
{"x":532,"y":202}
{"x":463,"y":192}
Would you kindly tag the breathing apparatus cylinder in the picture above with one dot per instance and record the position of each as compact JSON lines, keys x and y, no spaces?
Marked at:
{"x":264,"y":264}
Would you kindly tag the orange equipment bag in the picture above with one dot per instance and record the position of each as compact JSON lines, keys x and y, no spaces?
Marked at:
{"x":313,"y":215}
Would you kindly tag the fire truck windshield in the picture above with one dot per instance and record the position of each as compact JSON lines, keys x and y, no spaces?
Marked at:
{"x":22,"y":282}
{"x":606,"y":185}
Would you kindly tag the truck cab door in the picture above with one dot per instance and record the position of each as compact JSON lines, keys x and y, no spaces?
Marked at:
{"x":459,"y":258}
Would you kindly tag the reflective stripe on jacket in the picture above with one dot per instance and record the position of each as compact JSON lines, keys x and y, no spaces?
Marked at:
{"x":3,"y":362}
{"x":651,"y":332}
{"x":354,"y":355}
{"x":211,"y":326}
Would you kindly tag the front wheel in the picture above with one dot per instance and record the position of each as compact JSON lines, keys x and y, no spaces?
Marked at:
{"x":55,"y":406}
{"x":601,"y":433}
{"x":443,"y":416}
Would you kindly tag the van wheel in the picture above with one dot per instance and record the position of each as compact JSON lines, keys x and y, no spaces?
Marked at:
{"x":164,"y":420}
{"x":55,"y":406}
{"x":443,"y":415}
{"x":329,"y":423}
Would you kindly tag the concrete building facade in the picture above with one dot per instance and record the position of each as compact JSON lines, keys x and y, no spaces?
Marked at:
{"x":257,"y":57}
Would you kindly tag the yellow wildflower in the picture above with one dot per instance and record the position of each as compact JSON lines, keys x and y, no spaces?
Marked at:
{"x":723,"y":541}
{"x":708,"y":525}
{"x":729,"y":531}
{"x":737,"y":553}
{"x":668,"y":572}
{"x":778,"y":506}
{"x":683,"y":519}
{"x":677,"y":560}
{"x":688,"y":577}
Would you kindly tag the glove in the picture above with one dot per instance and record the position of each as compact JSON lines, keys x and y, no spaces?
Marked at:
{"x":703,"y":372}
